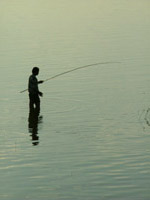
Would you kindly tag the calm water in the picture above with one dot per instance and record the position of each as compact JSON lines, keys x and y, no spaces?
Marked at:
{"x":93,"y":139}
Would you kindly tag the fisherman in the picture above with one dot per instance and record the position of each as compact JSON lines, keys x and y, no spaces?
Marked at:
{"x":33,"y":90}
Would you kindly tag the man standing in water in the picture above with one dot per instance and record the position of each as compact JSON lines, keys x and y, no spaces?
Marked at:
{"x":34,"y":92}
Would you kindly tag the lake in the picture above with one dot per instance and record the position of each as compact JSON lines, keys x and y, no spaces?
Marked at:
{"x":92,"y":139}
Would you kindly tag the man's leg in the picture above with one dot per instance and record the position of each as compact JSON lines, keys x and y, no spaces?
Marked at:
{"x":37,"y":105}
{"x":31,"y":103}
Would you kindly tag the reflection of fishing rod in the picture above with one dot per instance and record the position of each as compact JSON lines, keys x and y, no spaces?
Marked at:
{"x":66,"y":72}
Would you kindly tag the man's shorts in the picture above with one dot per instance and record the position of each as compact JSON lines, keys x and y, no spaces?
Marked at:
{"x":34,"y":98}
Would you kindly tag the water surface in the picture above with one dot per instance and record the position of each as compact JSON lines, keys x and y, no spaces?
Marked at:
{"x":94,"y":134}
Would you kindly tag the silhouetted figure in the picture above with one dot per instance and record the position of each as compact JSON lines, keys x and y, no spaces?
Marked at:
{"x":33,"y":120}
{"x":34,"y":93}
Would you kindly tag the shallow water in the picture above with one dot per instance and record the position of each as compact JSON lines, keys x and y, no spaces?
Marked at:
{"x":94,"y":134}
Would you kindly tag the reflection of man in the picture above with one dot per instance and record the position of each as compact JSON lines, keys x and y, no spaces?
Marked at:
{"x":33,"y":126}
{"x":33,"y":89}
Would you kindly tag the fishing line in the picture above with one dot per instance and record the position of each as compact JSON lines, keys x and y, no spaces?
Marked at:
{"x":69,"y":71}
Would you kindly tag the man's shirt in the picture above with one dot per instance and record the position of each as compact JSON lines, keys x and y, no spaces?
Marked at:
{"x":33,"y":85}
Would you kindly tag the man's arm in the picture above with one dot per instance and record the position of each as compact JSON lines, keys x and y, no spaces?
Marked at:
{"x":39,"y":82}
{"x":40,"y":93}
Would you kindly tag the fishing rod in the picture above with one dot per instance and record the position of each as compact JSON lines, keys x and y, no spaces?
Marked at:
{"x":66,"y":72}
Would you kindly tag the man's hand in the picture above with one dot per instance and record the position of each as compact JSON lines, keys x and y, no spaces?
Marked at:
{"x":40,"y":94}
{"x":40,"y":82}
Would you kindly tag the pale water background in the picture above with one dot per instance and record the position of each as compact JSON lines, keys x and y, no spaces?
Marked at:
{"x":94,"y":138}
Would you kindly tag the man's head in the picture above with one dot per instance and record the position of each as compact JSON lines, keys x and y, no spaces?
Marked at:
{"x":35,"y":71}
